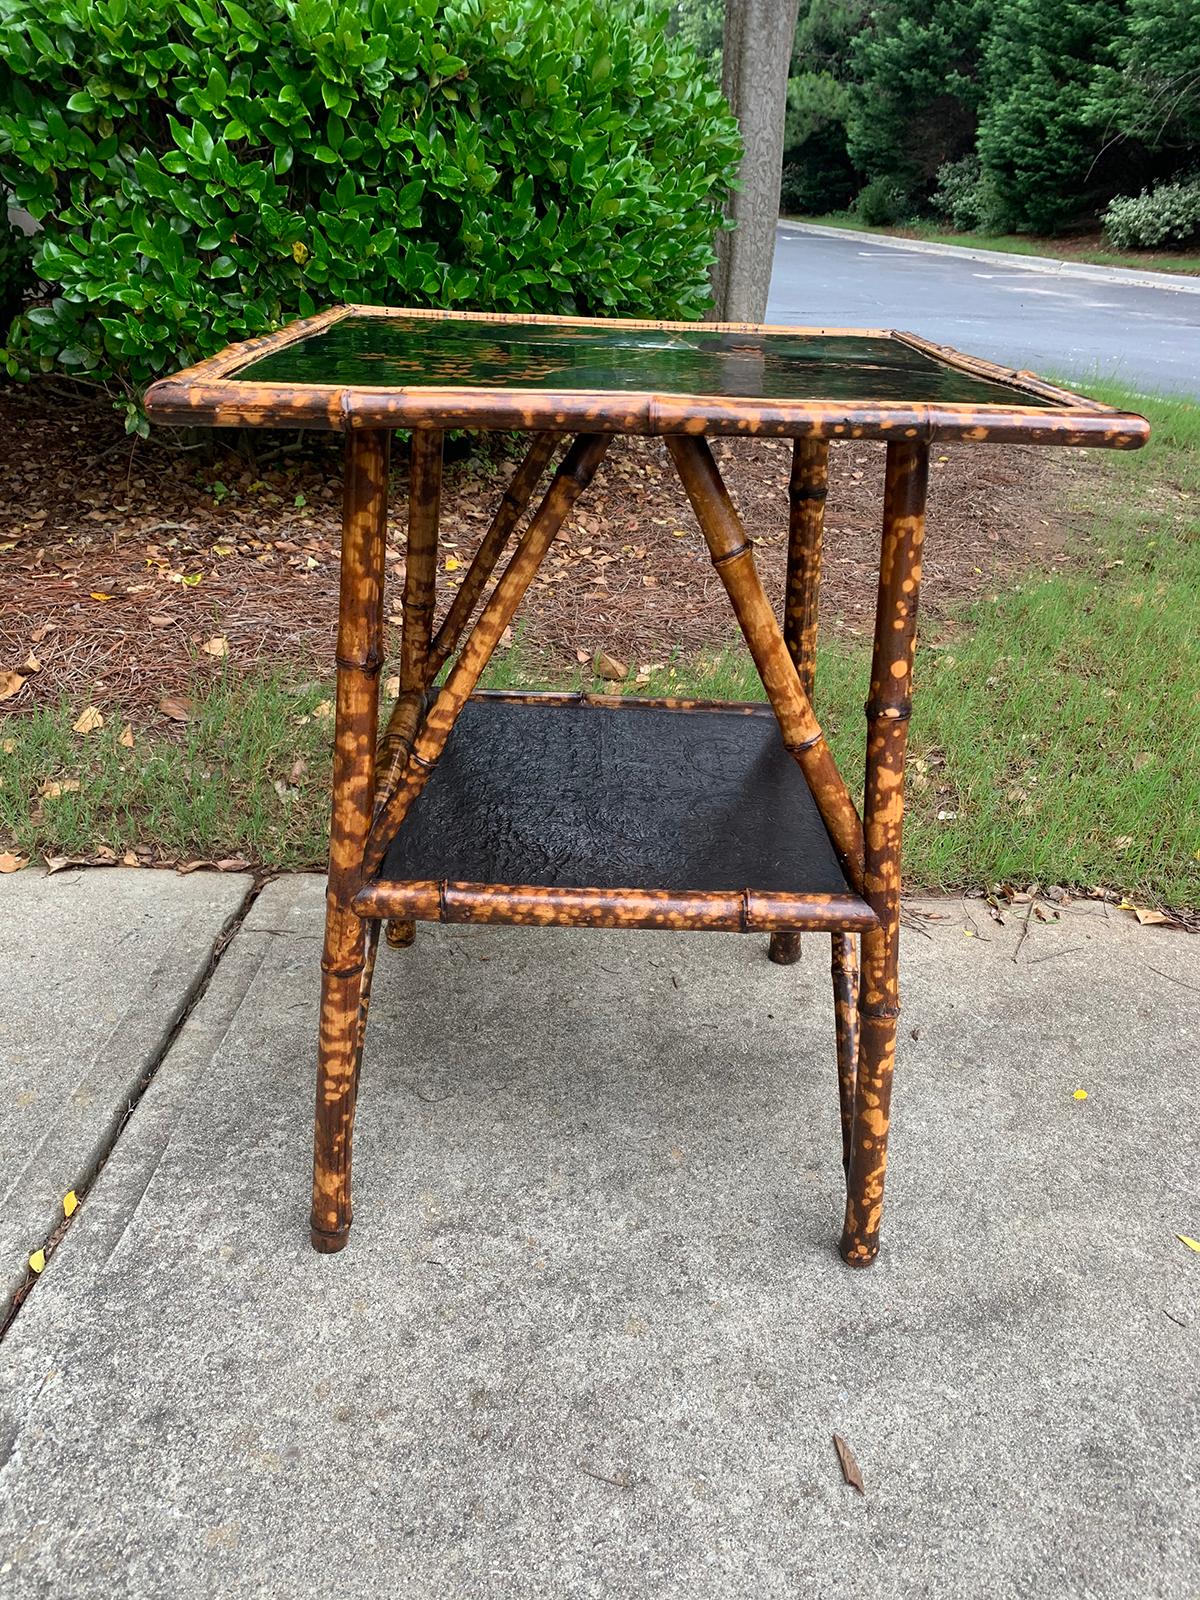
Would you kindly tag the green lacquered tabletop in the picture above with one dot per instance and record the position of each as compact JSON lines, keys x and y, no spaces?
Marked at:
{"x":402,"y":352}
{"x":399,"y":367}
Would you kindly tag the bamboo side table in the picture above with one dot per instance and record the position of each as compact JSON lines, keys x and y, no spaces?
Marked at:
{"x":604,"y":811}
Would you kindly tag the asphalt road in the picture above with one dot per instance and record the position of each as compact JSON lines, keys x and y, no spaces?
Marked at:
{"x":1067,"y":327}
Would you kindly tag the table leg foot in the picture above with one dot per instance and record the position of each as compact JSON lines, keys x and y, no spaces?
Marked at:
{"x":858,"y":1254}
{"x":400,"y":934}
{"x":328,"y":1244}
{"x":784,"y":949}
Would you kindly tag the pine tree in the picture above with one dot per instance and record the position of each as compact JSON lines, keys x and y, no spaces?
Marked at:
{"x":1040,"y":131}
{"x":918,"y":89}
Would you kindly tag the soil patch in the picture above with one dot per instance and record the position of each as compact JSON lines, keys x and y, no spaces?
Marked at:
{"x":121,"y":560}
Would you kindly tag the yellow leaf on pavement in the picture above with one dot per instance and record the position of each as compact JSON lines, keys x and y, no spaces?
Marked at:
{"x":37,"y":1261}
{"x":1192,"y":1244}
{"x":70,"y":1202}
{"x":1080,"y":1094}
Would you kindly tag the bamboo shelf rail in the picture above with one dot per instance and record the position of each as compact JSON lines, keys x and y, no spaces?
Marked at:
{"x":580,"y":810}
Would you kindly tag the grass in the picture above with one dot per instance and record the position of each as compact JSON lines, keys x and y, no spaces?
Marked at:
{"x":1021,"y":245}
{"x":1055,"y":734}
{"x":247,"y":777}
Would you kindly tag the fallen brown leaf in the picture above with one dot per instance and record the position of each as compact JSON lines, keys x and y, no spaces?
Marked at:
{"x":176,"y":706}
{"x":53,"y":787}
{"x":322,"y":711}
{"x":216,"y":647}
{"x":61,"y":863}
{"x":11,"y":863}
{"x":11,"y":683}
{"x":610,"y":668}
{"x":232,"y":864}
{"x":848,"y":1464}
{"x":126,"y":737}
{"x":32,"y":665}
{"x":88,"y":721}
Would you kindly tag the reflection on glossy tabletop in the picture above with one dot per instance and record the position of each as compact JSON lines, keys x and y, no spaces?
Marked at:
{"x":396,"y":352}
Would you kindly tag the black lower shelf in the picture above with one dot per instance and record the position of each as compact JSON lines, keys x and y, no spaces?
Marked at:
{"x":579,"y":803}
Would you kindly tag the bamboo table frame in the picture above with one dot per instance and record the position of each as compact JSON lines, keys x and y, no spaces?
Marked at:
{"x":378,"y":779}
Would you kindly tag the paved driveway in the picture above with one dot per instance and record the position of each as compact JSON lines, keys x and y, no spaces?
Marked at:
{"x":1065,"y":326}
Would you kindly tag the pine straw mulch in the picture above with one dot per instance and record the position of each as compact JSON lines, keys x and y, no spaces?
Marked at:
{"x":121,"y":560}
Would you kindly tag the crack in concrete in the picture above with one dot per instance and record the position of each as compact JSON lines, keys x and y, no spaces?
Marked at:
{"x":108,"y":1143}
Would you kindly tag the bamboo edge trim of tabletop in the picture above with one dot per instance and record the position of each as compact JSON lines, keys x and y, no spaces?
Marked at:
{"x":209,"y":394}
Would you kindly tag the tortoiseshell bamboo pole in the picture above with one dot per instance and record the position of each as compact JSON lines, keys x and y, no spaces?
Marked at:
{"x":344,"y":966}
{"x":573,"y":476}
{"x":844,"y":970}
{"x":807,"y":488}
{"x":420,"y":590}
{"x":806,"y":525}
{"x":733,"y":559}
{"x":508,"y":514}
{"x":888,"y":709}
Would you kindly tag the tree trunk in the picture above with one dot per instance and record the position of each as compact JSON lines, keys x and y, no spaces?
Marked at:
{"x":757,"y":55}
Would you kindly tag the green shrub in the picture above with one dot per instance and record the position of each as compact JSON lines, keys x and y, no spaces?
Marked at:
{"x":203,"y":170}
{"x":16,"y":270}
{"x":1169,"y":214}
{"x":817,"y":175}
{"x":965,"y":197}
{"x":882,"y":203}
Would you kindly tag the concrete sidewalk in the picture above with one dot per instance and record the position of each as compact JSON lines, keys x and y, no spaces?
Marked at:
{"x":591,"y":1336}
{"x":98,"y":967}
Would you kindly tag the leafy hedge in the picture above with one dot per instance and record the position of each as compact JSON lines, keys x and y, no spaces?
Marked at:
{"x":16,"y":269}
{"x":203,"y":169}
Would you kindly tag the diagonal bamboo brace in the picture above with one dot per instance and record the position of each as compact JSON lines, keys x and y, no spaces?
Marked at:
{"x":733,"y":558}
{"x":509,"y":512}
{"x":572,"y":478}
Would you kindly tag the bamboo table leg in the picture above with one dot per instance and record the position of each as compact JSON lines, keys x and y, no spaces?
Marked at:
{"x":844,"y":970}
{"x":420,"y":584}
{"x":349,"y":944}
{"x":888,"y":708}
{"x":806,"y":523}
